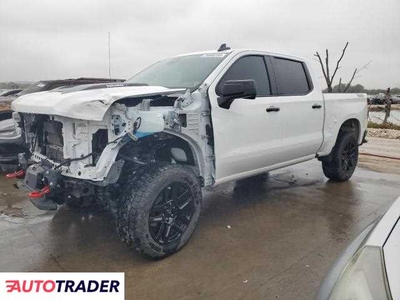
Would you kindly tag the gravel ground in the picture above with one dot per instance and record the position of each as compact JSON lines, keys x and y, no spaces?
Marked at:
{"x":382,"y":107}
{"x":384,"y":133}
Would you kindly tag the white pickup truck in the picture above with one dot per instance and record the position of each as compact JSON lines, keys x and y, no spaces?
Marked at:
{"x":146,"y":147}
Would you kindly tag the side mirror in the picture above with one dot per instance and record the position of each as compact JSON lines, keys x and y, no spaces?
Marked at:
{"x":233,"y":89}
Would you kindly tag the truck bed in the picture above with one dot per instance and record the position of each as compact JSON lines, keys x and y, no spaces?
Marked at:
{"x":340,"y":107}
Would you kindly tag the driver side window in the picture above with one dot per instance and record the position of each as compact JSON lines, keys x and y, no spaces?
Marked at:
{"x":249,"y":67}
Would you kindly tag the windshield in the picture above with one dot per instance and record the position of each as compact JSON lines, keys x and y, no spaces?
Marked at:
{"x":180,"y":72}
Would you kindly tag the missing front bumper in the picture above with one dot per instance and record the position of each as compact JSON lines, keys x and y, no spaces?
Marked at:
{"x":47,"y":188}
{"x":36,"y":183}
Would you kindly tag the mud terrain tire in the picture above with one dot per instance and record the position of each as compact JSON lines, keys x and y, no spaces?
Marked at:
{"x":110,"y":196}
{"x":344,"y":157}
{"x":160,"y":209}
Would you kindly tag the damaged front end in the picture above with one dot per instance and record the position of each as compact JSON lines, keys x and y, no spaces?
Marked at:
{"x":70,"y":158}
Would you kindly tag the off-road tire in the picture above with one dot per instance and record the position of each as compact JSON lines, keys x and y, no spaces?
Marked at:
{"x":110,"y":196}
{"x":140,"y":193}
{"x":73,"y":203}
{"x":117,"y":204}
{"x":335,"y":168}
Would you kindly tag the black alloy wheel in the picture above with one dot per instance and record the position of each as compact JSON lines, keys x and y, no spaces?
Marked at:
{"x":349,"y":157}
{"x":171,"y":213}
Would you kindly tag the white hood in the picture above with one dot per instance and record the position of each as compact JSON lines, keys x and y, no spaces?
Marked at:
{"x":90,"y":104}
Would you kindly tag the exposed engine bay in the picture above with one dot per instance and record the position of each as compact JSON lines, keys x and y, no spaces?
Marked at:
{"x":70,"y":158}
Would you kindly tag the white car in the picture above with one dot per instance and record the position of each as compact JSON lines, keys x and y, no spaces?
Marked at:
{"x":145,"y":147}
{"x":370,"y":267}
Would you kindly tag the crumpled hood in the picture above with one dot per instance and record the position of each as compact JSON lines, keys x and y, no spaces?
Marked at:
{"x":89,"y":102}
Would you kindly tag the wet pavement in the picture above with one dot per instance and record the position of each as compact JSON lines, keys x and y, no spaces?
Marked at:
{"x":270,"y":238}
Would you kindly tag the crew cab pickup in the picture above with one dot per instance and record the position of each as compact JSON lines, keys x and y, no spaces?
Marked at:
{"x":145,"y":148}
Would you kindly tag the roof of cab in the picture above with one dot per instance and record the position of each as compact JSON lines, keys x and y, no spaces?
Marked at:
{"x":241,"y":50}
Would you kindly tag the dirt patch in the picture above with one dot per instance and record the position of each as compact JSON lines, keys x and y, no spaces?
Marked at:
{"x":382,"y":107}
{"x":13,"y":212}
{"x":378,"y":164}
{"x":384,"y":133}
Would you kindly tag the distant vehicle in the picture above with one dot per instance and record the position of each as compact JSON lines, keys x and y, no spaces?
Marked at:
{"x":187,"y":122}
{"x":395,"y":99}
{"x":11,"y":141}
{"x":370,"y":99}
{"x":10,"y":92}
{"x":370,"y":266}
{"x":379,"y":99}
{"x":47,"y":85}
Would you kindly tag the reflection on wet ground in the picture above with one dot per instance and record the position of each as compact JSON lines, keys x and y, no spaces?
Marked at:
{"x":265,"y":237}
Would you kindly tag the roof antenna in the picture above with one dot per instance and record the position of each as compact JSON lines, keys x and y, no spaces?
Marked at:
{"x":223,"y":47}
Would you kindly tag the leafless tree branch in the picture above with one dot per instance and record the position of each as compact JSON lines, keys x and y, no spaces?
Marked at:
{"x":322,"y":66}
{"x":326,"y":71}
{"x":364,"y":67}
{"x":325,"y":68}
{"x":338,"y":62}
{"x":327,"y":64}
{"x":351,"y":80}
{"x":356,"y":71}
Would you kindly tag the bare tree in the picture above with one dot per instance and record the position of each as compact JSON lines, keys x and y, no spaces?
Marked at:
{"x":325,"y":70}
{"x":356,"y":71}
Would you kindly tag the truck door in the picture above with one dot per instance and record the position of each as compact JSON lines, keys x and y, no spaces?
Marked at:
{"x":247,"y":135}
{"x":301,"y":109}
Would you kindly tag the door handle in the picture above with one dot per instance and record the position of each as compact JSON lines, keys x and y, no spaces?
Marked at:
{"x":316,"y":106}
{"x":273,"y":108}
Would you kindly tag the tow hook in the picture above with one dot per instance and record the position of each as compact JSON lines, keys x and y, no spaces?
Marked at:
{"x":41,"y":193}
{"x":17,"y":174}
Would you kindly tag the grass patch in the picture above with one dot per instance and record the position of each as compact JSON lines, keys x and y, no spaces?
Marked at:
{"x":383,"y":125}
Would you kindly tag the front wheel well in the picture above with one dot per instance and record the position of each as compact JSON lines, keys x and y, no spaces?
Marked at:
{"x":160,"y":147}
{"x":177,"y":150}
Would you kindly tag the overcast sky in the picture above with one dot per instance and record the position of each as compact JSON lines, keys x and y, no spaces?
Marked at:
{"x":49,"y":39}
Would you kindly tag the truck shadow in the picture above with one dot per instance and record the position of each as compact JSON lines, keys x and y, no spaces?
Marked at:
{"x":86,"y":239}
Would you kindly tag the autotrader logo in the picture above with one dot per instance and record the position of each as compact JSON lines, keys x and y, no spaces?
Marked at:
{"x":63,"y":285}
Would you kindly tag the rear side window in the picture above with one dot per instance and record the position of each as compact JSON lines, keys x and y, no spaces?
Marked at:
{"x":249,"y":67}
{"x":291,"y":77}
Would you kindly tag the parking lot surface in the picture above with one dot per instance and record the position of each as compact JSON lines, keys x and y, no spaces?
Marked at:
{"x":262,"y":238}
